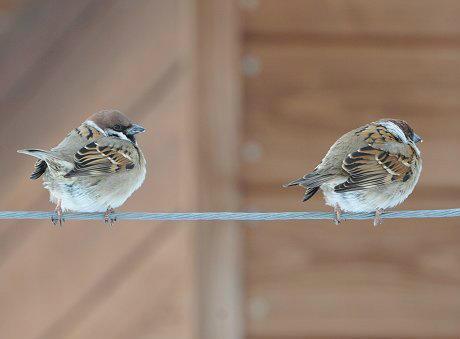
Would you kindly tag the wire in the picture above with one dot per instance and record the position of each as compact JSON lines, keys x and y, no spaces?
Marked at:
{"x":227,"y":216}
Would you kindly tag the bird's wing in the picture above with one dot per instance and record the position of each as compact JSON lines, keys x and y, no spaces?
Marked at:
{"x":370,"y":167}
{"x":75,"y":140}
{"x":104,"y":156}
{"x":372,"y":134}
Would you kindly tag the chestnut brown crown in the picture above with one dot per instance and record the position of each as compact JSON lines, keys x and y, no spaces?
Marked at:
{"x":115,"y":123}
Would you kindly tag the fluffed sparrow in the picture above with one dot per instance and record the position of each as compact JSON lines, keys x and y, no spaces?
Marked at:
{"x":95,"y":168}
{"x":369,"y":169}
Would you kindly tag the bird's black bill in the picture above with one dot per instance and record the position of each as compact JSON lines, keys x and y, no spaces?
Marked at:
{"x":135,"y":129}
{"x":417,"y":138}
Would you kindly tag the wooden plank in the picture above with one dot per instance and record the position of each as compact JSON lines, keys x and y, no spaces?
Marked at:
{"x":42,"y":25}
{"x":312,"y":279}
{"x":10,"y":6}
{"x":10,"y":10}
{"x":304,"y":98}
{"x":219,"y":245}
{"x":377,"y":19}
{"x":341,"y":337}
{"x":160,"y":310}
{"x":84,"y":280}
{"x":354,"y":280}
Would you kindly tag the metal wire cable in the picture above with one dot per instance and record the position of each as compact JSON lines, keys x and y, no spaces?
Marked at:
{"x":227,"y":216}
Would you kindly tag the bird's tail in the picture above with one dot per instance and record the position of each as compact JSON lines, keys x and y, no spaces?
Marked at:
{"x":54,"y":162}
{"x":311,"y":181}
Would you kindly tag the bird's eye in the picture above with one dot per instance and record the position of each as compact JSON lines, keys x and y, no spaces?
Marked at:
{"x":118,"y":128}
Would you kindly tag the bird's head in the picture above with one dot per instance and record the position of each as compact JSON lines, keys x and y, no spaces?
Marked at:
{"x":115,"y":123}
{"x":401,"y":130}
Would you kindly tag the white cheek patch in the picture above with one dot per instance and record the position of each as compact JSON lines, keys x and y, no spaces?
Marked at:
{"x":395,"y":130}
{"x":115,"y":133}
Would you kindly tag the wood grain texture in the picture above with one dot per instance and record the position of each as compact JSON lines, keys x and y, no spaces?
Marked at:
{"x":398,"y":280}
{"x":343,"y":337}
{"x":322,"y":69}
{"x":304,"y":98}
{"x":219,"y":244}
{"x":40,"y":26}
{"x":429,"y":18}
{"x":136,"y":280}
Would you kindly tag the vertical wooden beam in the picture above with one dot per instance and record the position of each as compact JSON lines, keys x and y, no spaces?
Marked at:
{"x":219,"y":245}
{"x":82,"y":281}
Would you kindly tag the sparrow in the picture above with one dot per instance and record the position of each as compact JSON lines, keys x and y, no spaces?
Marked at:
{"x":369,"y":169}
{"x":95,"y":168}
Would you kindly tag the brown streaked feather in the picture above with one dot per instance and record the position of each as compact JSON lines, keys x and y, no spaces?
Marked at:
{"x":95,"y":160}
{"x":376,"y":134}
{"x":370,"y":167}
{"x":88,"y":132}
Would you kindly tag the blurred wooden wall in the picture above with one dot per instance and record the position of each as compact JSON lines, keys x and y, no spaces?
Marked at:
{"x":314,"y":70}
{"x":63,"y":60}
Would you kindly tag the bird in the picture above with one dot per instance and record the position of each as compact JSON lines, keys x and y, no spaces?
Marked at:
{"x":95,"y":168}
{"x":369,"y":169}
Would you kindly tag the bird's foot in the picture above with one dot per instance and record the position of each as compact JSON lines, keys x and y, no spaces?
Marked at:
{"x":337,"y":215}
{"x":108,"y":216}
{"x":58,"y":215}
{"x":378,"y":217}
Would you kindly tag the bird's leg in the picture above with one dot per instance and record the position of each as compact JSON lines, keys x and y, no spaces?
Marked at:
{"x":57,"y":216}
{"x":108,"y":217}
{"x":337,"y":214}
{"x":378,"y":217}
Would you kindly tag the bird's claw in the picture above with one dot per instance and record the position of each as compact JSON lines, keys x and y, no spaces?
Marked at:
{"x":109,"y":218}
{"x":378,"y":217}
{"x":337,"y":215}
{"x":57,"y":217}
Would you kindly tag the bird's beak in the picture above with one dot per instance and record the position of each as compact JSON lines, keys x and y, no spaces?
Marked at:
{"x":417,"y":138}
{"x":135,"y":129}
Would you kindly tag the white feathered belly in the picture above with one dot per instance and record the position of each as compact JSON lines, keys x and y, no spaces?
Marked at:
{"x":367,"y":200}
{"x":85,"y":196}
